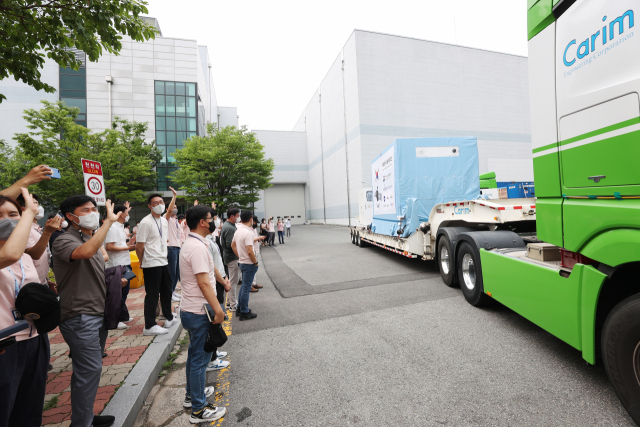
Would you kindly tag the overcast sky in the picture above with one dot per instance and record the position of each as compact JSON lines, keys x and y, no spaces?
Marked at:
{"x":269,"y":57}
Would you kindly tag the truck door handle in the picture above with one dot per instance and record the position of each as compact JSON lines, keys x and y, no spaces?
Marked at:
{"x":597,"y":178}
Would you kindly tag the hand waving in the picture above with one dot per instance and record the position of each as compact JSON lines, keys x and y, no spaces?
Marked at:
{"x":53,"y":224}
{"x":110,"y":215}
{"x":175,"y":193}
{"x":28,"y":201}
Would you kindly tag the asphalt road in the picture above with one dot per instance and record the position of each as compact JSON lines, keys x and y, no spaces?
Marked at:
{"x":349,"y":336}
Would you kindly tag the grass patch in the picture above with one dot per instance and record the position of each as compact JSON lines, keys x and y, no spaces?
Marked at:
{"x":50,"y":404}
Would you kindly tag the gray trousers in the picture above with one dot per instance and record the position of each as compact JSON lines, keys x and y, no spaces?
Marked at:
{"x":86,"y":339}
{"x":234,"y":273}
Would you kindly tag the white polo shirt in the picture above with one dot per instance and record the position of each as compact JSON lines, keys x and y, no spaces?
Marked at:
{"x":154,"y":233}
{"x":116,"y":235}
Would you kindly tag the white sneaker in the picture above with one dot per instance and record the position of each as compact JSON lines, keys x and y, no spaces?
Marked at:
{"x":216,"y":365}
{"x":175,"y":297}
{"x":130,"y":320}
{"x":170,"y":323}
{"x":208,"y":413}
{"x":155,"y":330}
{"x":208,"y":391}
{"x":122,"y":326}
{"x":221,"y":354}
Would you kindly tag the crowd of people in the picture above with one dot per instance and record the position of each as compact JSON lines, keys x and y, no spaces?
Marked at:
{"x":215,"y":262}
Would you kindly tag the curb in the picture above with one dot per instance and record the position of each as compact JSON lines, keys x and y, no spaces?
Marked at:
{"x":129,"y":399}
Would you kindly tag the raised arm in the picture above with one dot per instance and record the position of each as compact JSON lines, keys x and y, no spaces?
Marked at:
{"x":93,"y":245}
{"x":171,"y":205}
{"x":16,"y":243}
{"x":38,"y":249}
{"x":35,"y":175}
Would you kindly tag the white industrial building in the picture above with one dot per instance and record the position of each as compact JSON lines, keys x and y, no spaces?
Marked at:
{"x":165,"y":82}
{"x":382,"y":87}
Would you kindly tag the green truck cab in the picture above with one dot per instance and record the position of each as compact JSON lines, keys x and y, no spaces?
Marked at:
{"x":584,"y":75}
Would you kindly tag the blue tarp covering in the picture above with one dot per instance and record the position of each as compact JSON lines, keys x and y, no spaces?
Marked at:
{"x":426,"y":171}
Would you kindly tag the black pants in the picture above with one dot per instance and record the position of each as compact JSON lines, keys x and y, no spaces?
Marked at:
{"x":23,"y":380}
{"x":157,"y":282}
{"x":220,"y":297}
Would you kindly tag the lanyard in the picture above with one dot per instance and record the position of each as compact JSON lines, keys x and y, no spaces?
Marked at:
{"x":159,"y":228}
{"x":199,"y":239}
{"x":18,"y":287}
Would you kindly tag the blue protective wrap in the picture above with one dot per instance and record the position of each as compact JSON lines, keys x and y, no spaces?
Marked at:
{"x":422,"y":182}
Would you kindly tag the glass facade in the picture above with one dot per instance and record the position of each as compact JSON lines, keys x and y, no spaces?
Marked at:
{"x":73,"y":87}
{"x":176,"y":120}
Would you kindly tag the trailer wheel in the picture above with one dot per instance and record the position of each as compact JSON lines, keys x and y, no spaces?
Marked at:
{"x":621,"y":353}
{"x":363,"y":244}
{"x":470,"y":276}
{"x":358,"y":239}
{"x":353,"y":237}
{"x":446,"y":261}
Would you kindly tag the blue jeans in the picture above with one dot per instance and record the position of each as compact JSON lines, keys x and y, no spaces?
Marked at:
{"x":125,"y":290}
{"x":248,"y":273}
{"x":197,"y":359}
{"x":173,"y":256}
{"x":281,"y":237}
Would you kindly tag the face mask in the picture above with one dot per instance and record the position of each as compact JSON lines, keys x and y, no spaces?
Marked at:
{"x":158,"y":209}
{"x":175,"y":212}
{"x":65,"y":224}
{"x":255,"y":225}
{"x":126,"y":219}
{"x":40,"y":214}
{"x":6,"y":228}
{"x":88,"y":222}
{"x":212,"y":227}
{"x":217,"y":222}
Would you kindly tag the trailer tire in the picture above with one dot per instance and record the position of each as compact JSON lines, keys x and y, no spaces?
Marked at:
{"x":358,"y":239}
{"x":446,"y":261}
{"x":470,"y":276}
{"x":621,"y":353}
{"x":353,"y":237}
{"x":363,"y":244}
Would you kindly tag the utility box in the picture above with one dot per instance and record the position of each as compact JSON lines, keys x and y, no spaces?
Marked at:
{"x":543,"y":252}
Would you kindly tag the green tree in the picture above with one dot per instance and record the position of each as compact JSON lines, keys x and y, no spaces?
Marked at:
{"x":227,"y":166}
{"x":128,"y":162}
{"x":29,"y":29}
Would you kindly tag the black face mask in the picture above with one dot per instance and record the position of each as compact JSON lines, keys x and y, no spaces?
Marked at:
{"x":255,"y":225}
{"x":212,"y":226}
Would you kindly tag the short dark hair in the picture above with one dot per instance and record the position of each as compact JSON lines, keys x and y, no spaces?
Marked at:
{"x":232,"y":212}
{"x":245,"y":216}
{"x":70,"y":204}
{"x":195,"y":214}
{"x":255,"y":219}
{"x":119,"y":208}
{"x":20,"y":199}
{"x":153,"y":196}
{"x":181,"y":217}
{"x":126,"y":224}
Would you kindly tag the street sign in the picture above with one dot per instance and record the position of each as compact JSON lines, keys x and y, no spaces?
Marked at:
{"x":93,"y":182}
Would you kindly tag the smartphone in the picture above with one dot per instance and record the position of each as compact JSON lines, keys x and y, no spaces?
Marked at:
{"x":55,"y":173}
{"x":13,"y":329}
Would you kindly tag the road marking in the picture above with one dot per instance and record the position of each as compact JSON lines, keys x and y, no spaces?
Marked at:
{"x":222,"y":391}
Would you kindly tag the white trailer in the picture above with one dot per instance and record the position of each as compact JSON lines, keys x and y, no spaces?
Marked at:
{"x":436,"y":238}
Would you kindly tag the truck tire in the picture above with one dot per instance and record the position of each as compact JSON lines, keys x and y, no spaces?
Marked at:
{"x":621,"y":353}
{"x":363,"y":244}
{"x":358,"y":239}
{"x":446,"y":261}
{"x":470,"y":276}
{"x":353,"y":237}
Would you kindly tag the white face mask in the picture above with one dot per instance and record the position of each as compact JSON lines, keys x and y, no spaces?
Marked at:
{"x":88,"y":222}
{"x":40,"y":214}
{"x":158,"y":209}
{"x":65,"y":224}
{"x":126,"y":219}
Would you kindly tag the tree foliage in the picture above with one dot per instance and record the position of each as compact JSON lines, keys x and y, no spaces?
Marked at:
{"x":128,"y":162}
{"x":227,"y":166}
{"x":29,"y":29}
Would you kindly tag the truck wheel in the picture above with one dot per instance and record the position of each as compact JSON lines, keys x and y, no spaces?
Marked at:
{"x":621,"y":353}
{"x":358,"y":239}
{"x":353,"y":238}
{"x":363,"y":244}
{"x":470,"y":276}
{"x":445,"y":261}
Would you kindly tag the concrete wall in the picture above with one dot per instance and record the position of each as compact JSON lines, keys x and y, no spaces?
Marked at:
{"x":289,"y":153}
{"x":417,"y":88}
{"x":21,"y":97}
{"x":227,"y":116}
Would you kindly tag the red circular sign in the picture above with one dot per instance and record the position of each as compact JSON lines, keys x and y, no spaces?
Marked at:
{"x":95,"y":186}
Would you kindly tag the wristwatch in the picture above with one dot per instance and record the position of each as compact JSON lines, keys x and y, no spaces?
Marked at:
{"x":256,"y":263}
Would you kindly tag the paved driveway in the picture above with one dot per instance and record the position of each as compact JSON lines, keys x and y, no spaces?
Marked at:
{"x":364,"y":337}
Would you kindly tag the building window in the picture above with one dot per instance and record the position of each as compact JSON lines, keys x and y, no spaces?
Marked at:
{"x":176,"y":121}
{"x":73,"y":87}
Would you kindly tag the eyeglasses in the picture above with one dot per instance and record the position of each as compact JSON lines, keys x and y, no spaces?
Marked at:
{"x":156,"y":203}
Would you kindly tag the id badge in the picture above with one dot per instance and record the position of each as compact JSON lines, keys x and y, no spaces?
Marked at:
{"x":163,"y":247}
{"x":17,"y":316}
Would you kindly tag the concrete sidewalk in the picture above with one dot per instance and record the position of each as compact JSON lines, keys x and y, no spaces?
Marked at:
{"x":124,"y":348}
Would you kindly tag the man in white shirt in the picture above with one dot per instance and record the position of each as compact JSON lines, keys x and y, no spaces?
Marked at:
{"x":117,"y":248}
{"x":151,"y":248}
{"x":175,"y":242}
{"x":288,"y":227}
